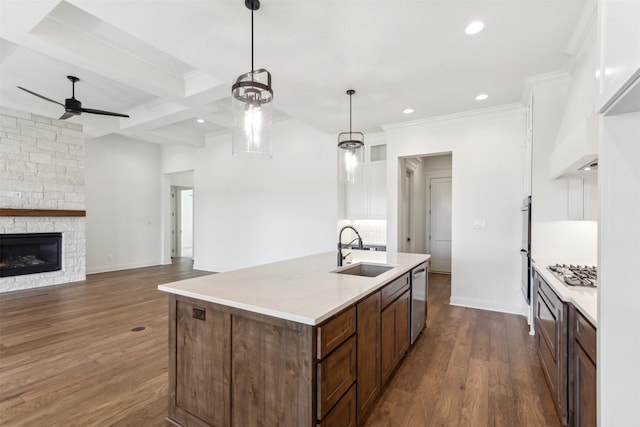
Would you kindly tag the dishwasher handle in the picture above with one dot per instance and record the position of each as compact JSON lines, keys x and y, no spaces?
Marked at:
{"x":417,"y":273}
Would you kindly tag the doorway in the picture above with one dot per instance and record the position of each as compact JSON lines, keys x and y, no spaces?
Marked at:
{"x":181,"y":222}
{"x":425,"y":209}
{"x":179,"y":229}
{"x":184,"y":221}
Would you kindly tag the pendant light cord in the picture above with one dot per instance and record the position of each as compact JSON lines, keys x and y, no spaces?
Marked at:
{"x":350,"y":96}
{"x":252,"y":69}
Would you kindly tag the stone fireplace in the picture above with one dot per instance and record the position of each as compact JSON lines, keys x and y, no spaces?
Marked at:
{"x":42,"y":191}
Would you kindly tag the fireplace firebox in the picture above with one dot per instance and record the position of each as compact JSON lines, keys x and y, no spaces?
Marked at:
{"x":29,"y":253}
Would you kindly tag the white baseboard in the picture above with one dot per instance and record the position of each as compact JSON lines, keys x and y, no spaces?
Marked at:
{"x":489,"y":305}
{"x":106,"y":269}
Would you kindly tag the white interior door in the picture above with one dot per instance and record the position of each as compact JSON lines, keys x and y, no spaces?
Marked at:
{"x":440,"y":237}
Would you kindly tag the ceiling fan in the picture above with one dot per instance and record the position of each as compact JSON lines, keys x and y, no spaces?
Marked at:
{"x":72,"y":106}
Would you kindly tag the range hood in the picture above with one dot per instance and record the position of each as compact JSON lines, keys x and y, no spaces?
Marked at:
{"x":577,"y":149}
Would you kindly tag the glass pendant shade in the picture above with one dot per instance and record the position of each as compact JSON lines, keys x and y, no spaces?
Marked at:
{"x":350,"y":156}
{"x":252,"y":111}
{"x":350,"y":152}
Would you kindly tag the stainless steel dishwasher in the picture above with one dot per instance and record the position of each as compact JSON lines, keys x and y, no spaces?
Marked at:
{"x":419,"y":292}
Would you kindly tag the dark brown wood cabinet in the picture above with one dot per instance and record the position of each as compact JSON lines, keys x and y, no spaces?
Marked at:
{"x":394,"y":334}
{"x":550,"y":317}
{"x":335,"y":376}
{"x":232,"y":367}
{"x":219,"y":355}
{"x":368,"y":354}
{"x":344,"y":413}
{"x":582,"y":372}
{"x":205,"y":369}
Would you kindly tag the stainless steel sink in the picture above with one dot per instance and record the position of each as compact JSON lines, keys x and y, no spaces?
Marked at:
{"x":367,"y":270}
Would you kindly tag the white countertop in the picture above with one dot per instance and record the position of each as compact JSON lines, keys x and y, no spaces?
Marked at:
{"x":583,"y":298}
{"x":305,"y":290}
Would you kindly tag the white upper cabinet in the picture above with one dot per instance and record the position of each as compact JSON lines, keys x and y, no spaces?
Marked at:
{"x":368,"y":199}
{"x":619,"y":35}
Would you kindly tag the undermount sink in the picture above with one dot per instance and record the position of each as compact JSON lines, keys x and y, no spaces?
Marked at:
{"x":367,"y":270}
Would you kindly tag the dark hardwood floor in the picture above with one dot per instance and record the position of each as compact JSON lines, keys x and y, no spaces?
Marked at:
{"x":468,"y":368}
{"x":69,"y":357}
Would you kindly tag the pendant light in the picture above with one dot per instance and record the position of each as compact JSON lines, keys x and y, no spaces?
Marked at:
{"x":252,"y":107}
{"x":350,"y":151}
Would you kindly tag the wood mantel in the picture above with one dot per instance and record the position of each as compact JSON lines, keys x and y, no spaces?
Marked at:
{"x":40,"y":212}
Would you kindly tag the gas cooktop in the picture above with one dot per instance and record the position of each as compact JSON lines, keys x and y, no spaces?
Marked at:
{"x":576,"y":275}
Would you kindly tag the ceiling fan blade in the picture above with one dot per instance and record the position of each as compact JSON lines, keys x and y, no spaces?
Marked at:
{"x":65,"y":116}
{"x":40,"y":96}
{"x":104,"y":113}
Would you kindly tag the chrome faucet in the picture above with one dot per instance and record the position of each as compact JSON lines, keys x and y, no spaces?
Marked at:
{"x":340,"y":257}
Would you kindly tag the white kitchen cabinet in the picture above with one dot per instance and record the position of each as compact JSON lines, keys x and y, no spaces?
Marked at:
{"x":619,"y":33}
{"x":582,"y":198}
{"x":368,"y":199}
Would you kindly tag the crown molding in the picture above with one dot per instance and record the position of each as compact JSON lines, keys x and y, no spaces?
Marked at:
{"x":467,"y":116}
{"x":581,"y":32}
{"x":540,"y":79}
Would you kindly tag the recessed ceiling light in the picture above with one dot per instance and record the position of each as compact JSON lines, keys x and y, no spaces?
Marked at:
{"x":408,"y":110}
{"x":474,"y":28}
{"x":200,"y":120}
{"x":482,"y":97}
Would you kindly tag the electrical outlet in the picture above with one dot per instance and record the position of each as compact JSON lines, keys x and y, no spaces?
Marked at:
{"x":199,"y":313}
{"x":479,"y":224}
{"x":17,"y":194}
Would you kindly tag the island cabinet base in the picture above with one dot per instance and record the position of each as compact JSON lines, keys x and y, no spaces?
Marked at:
{"x":230,"y":367}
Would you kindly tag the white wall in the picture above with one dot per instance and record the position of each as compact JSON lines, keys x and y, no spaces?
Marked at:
{"x":487,"y":178}
{"x":123,"y":204}
{"x":249,"y":212}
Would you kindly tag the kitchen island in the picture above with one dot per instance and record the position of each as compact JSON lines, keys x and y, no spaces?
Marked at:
{"x":292,"y":343}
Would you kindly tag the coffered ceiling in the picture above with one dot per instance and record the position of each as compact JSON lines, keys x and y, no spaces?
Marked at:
{"x":167,"y":63}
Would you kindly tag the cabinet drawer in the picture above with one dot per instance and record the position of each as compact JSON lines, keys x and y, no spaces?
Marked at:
{"x":335,"y":375}
{"x":549,"y":365}
{"x":344,"y":413}
{"x":394,"y":289}
{"x":335,"y":331}
{"x":549,"y":293}
{"x":547,"y":321}
{"x":586,"y":335}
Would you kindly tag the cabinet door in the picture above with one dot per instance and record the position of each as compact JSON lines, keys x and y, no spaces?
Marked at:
{"x":387,"y":345}
{"x":584,"y":390}
{"x":368,"y":199}
{"x":377,"y":190}
{"x":402,"y":326}
{"x":619,"y":48}
{"x":368,"y":336}
{"x":356,"y":198}
{"x":395,"y":334}
{"x":203,"y":370}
